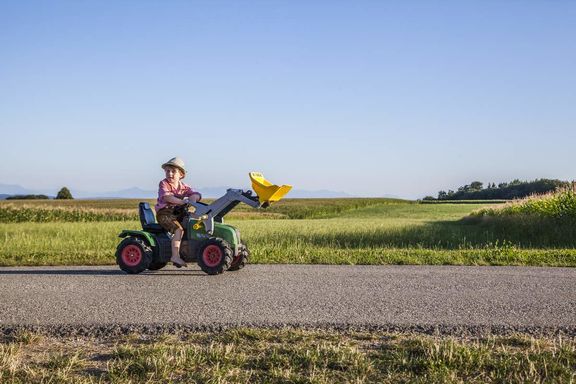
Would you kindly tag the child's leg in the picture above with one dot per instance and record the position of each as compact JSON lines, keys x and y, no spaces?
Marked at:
{"x":169,"y":221}
{"x":176,"y":239}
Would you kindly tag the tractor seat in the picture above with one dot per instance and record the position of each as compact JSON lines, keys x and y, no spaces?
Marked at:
{"x":148,"y":220}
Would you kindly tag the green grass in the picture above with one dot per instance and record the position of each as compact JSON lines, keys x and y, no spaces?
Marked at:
{"x":370,"y":233}
{"x":287,"y":356}
{"x":408,"y":234}
{"x":60,"y":243}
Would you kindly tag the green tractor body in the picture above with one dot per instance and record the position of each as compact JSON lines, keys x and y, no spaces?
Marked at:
{"x":194,"y":236}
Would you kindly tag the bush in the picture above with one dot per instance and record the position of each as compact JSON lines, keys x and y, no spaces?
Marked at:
{"x":27,"y":197}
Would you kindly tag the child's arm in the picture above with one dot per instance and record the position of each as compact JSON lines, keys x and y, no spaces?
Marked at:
{"x":166,"y":195}
{"x":174,"y":200}
{"x":192,"y":195}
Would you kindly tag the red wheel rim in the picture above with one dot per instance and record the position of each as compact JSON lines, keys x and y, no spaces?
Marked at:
{"x":131,"y":255}
{"x":212,"y":255}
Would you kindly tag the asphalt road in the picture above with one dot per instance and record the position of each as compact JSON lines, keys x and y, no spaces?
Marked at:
{"x":443,"y":299}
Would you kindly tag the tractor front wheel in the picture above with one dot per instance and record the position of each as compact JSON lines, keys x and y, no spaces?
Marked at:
{"x":214,"y":255}
{"x":133,"y":255}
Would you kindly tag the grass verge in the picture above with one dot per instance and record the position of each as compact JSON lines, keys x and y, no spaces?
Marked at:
{"x":350,"y":242}
{"x":287,"y":356}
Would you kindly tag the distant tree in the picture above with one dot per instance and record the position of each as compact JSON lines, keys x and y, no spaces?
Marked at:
{"x":429,"y":198}
{"x":64,"y":193}
{"x":476,"y":186}
{"x":464,"y":189}
{"x":442,"y":195}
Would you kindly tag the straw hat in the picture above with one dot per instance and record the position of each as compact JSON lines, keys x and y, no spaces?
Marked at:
{"x":177,"y":163}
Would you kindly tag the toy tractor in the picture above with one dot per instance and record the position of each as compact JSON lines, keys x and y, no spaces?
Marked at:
{"x":215,"y":246}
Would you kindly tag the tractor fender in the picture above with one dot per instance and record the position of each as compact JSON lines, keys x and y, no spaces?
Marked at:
{"x":146,"y":236}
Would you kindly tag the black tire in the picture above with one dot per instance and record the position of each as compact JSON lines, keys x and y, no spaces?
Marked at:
{"x":214,"y":255}
{"x":241,"y":258}
{"x":133,"y":255}
{"x":156,"y":265}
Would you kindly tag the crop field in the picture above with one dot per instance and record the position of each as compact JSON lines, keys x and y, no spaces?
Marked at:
{"x":326,"y":231}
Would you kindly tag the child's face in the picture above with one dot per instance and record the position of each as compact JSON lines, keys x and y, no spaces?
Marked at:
{"x":173,"y":174}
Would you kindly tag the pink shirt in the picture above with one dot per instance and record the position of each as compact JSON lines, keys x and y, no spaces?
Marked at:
{"x":165,"y":189}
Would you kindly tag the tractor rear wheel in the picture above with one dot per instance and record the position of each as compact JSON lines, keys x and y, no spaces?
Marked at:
{"x":214,"y":255}
{"x":133,"y":255}
{"x":241,"y":259}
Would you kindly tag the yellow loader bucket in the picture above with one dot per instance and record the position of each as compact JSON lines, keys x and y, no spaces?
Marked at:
{"x":266,"y":191}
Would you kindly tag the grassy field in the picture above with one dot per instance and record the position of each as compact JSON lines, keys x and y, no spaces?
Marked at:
{"x":286,"y":356}
{"x":327,"y":231}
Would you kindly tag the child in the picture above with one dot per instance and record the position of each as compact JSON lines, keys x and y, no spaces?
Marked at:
{"x":171,"y":193}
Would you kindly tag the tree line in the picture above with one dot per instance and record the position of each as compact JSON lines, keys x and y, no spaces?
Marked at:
{"x":504,"y":191}
{"x":63,"y":193}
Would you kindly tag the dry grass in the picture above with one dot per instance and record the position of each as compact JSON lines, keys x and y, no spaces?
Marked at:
{"x":287,"y":356}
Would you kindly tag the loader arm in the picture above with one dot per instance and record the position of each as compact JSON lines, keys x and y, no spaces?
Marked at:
{"x":215,"y":211}
{"x":266,"y":193}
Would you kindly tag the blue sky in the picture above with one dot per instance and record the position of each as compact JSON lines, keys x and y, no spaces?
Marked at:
{"x":371,"y":98}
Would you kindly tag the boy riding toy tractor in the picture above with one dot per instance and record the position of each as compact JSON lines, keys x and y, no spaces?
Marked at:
{"x":215,"y":246}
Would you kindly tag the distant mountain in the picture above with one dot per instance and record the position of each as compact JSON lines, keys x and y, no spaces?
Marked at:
{"x":13,"y":189}
{"x":323,"y":193}
{"x":7,"y":190}
{"x":214,"y":192}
